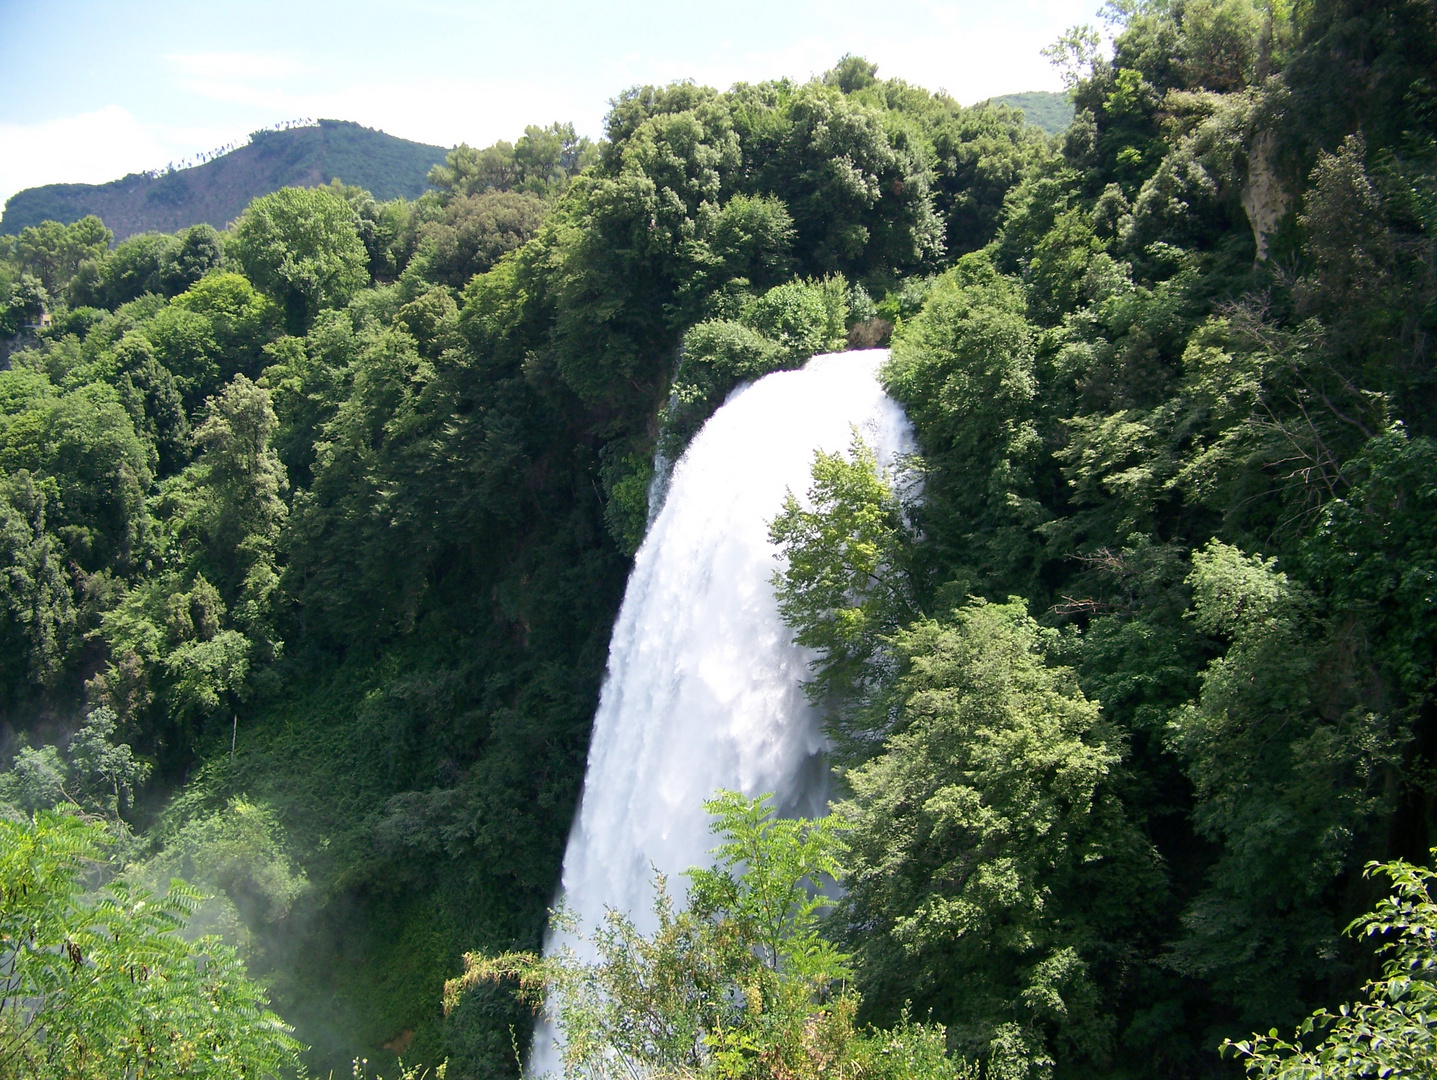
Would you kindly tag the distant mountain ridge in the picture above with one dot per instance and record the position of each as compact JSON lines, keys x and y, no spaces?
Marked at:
{"x":217,"y":191}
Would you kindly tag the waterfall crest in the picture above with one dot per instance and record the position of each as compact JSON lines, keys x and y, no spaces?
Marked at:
{"x":703,"y":688}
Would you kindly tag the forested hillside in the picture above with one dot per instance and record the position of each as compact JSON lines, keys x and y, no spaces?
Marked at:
{"x":215,"y":192}
{"x":1050,"y":110}
{"x":314,"y":531}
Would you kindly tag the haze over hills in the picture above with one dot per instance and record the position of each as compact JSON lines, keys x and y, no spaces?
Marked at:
{"x":215,"y":192}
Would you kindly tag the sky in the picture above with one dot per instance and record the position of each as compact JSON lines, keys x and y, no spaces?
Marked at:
{"x":90,"y":91}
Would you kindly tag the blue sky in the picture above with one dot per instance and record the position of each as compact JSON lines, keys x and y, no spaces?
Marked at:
{"x":92,"y":90}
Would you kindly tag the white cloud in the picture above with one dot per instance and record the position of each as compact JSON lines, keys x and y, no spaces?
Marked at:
{"x":237,"y":65}
{"x":93,"y":148}
{"x":267,"y":87}
{"x":969,"y":57}
{"x":448,"y":111}
{"x":88,"y":148}
{"x":257,"y":80}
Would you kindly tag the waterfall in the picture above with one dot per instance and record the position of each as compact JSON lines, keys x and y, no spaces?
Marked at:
{"x":703,"y":688}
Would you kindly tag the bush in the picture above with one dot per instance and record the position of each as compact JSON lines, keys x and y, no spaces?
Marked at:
{"x":104,"y":987}
{"x":739,"y":983}
{"x":1394,"y":1032}
{"x":780,"y":329}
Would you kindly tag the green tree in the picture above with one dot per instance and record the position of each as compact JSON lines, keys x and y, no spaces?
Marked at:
{"x":199,"y":252}
{"x":105,"y":775}
{"x":239,"y":323}
{"x":301,"y":246}
{"x":859,"y":194}
{"x":473,"y":233}
{"x":467,"y":171}
{"x":153,"y":400}
{"x":846,"y":587}
{"x":981,"y":840}
{"x":781,"y":328}
{"x":1288,"y":766}
{"x":126,"y":273}
{"x":548,"y":157}
{"x":35,"y":587}
{"x":244,"y":483}
{"x":239,"y":857}
{"x":1220,"y":43}
{"x":965,"y":368}
{"x":104,"y":986}
{"x":1393,"y":1033}
{"x":25,"y":303}
{"x":630,"y":268}
{"x":754,"y":238}
{"x":191,"y":633}
{"x":1375,"y":553}
{"x":54,"y":252}
{"x":95,"y":468}
{"x":979,"y":155}
{"x":542,"y":162}
{"x":96,"y":776}
{"x":738,"y":983}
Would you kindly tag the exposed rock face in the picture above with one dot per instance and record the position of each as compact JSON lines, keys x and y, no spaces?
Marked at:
{"x":1263,"y":197}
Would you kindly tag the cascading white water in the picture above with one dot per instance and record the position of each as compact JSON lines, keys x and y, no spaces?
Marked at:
{"x":703,"y":689}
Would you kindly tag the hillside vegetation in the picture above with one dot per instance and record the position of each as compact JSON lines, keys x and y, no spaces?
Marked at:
{"x":324,"y":521}
{"x":214,"y":193}
{"x":1049,"y":110}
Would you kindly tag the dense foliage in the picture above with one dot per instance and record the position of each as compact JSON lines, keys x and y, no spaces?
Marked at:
{"x":107,"y":987}
{"x":737,"y":983}
{"x":314,"y":530}
{"x":1393,"y":1032}
{"x":1130,"y":694}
